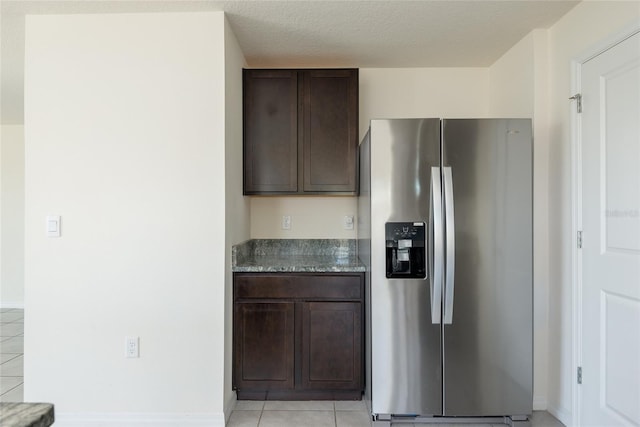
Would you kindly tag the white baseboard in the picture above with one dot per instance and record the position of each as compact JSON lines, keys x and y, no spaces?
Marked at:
{"x":11,"y":304}
{"x":230,"y":404}
{"x":139,"y":419}
{"x":539,"y":403}
{"x":562,"y":414}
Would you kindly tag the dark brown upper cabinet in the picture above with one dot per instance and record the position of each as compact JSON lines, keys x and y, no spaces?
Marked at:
{"x":300,"y":131}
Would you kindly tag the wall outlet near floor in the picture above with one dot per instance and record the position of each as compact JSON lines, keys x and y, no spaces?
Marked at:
{"x":132,"y":347}
{"x":286,"y":222}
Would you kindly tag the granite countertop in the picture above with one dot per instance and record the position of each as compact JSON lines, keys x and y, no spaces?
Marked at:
{"x":296,"y":255}
{"x":26,"y":414}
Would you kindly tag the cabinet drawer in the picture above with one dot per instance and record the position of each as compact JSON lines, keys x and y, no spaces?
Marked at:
{"x":293,"y":286}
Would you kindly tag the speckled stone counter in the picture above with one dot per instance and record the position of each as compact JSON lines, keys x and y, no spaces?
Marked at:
{"x":296,"y":255}
{"x":26,"y":414}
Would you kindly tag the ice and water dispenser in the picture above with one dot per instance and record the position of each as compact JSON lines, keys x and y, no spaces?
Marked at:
{"x":406,"y":251}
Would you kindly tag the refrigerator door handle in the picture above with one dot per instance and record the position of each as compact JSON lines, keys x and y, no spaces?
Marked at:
{"x":450,"y":232}
{"x":436,"y":246}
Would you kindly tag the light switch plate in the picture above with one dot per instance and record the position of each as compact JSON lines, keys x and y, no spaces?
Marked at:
{"x":52,"y":226}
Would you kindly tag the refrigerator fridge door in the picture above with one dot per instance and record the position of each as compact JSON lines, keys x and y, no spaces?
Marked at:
{"x":406,"y":364}
{"x":488,"y":342}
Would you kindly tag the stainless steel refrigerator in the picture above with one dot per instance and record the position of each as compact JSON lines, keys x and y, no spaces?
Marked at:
{"x":445,"y":228}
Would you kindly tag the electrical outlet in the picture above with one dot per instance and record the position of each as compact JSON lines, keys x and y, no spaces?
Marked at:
{"x":286,"y":222}
{"x":132,"y":347}
{"x":348,"y":222}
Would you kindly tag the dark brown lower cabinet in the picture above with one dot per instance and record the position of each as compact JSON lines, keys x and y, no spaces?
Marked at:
{"x":264,"y":344}
{"x":331,"y":345}
{"x":298,"y":336}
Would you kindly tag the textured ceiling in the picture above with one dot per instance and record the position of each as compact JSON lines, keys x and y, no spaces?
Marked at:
{"x":346,"y":33}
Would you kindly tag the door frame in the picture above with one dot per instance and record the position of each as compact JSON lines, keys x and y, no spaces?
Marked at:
{"x":576,"y":207}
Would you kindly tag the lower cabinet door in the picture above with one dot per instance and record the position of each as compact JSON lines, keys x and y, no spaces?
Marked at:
{"x":331,"y":345}
{"x":264,"y":346}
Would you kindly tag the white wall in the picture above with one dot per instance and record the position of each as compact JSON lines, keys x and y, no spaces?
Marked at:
{"x":387,"y":93}
{"x":12,"y":216}
{"x":384,"y":93}
{"x":312,"y":217}
{"x":237,"y":223}
{"x":579,"y":32}
{"x":125,"y":130}
{"x":518,"y":86}
{"x":511,"y":81}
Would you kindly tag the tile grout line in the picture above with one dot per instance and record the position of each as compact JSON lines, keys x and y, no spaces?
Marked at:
{"x":6,"y":392}
{"x":261,"y":412}
{"x":335,"y":416}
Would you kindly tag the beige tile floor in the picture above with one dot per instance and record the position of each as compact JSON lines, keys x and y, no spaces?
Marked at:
{"x":11,"y":354}
{"x":332,"y":414}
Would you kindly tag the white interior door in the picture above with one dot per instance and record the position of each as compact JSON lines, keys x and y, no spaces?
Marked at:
{"x":610,"y":391}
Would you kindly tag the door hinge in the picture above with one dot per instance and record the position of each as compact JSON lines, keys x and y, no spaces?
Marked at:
{"x":578,"y":99}
{"x":579,"y":374}
{"x":579,"y":239}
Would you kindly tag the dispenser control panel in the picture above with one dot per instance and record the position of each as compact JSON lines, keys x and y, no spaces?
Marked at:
{"x":406,"y":250}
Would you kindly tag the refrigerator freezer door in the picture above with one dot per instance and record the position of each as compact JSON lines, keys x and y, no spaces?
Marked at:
{"x":406,"y":364}
{"x":488,"y":345}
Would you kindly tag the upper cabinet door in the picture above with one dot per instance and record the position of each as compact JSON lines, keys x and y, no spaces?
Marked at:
{"x":270,"y":131}
{"x":300,"y":131}
{"x":329,"y":136}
